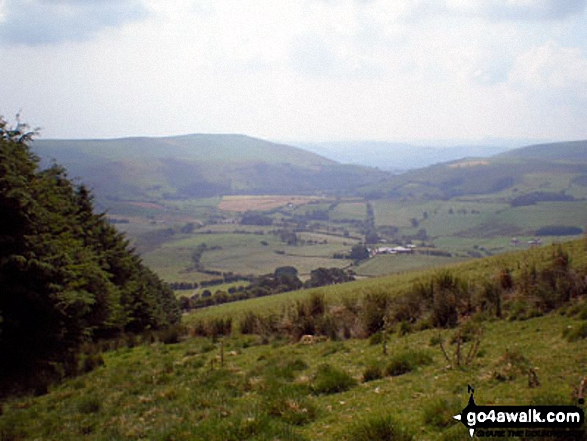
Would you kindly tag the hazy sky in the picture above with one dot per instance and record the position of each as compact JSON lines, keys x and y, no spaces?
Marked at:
{"x":303,"y":70}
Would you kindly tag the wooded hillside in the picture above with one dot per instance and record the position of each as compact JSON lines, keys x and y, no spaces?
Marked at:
{"x":67,"y":276}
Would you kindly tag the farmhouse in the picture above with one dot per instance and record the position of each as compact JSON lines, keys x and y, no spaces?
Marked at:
{"x":394,"y":250}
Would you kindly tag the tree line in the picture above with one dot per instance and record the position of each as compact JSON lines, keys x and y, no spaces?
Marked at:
{"x":67,"y":276}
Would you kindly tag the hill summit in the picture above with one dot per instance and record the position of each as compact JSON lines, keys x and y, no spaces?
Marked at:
{"x":200,"y":165}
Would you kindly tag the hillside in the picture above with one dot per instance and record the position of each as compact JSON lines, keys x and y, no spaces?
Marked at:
{"x":381,"y":365}
{"x":556,"y":167}
{"x":197,"y":166}
{"x":560,"y":151}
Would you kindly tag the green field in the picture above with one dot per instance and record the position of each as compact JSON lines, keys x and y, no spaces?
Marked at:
{"x":461,"y":227}
{"x":391,"y":264}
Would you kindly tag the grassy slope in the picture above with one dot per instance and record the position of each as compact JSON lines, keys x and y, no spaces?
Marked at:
{"x":162,"y":392}
{"x":566,"y":151}
{"x":549,"y":167}
{"x":472,"y":270}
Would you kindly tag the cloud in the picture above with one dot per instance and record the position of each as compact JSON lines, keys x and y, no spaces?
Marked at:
{"x":39,"y":22}
{"x":516,"y":9}
{"x":552,"y":71}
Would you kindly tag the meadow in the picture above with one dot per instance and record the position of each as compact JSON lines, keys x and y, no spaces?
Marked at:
{"x":459,"y":228}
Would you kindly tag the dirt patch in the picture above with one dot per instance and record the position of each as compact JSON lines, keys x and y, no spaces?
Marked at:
{"x":262,"y":203}
{"x":468,"y":164}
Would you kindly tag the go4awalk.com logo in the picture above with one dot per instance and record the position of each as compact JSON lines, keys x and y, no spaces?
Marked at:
{"x":521,"y":421}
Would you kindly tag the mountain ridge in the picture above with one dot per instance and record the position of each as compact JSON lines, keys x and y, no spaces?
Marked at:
{"x":199,"y":165}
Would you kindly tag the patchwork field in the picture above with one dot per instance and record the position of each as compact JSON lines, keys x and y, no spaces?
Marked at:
{"x":463,"y":228}
{"x":262,"y":203}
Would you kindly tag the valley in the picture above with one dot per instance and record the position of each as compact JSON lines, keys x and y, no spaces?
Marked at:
{"x":320,"y":209}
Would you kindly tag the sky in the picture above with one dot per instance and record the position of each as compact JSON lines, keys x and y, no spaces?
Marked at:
{"x":297,"y":70}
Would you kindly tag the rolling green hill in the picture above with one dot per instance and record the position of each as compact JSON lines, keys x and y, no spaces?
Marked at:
{"x":196,"y":166}
{"x":558,"y":151}
{"x":551,"y":168}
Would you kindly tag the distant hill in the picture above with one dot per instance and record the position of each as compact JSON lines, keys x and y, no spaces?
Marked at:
{"x":394,"y":156}
{"x":200,"y":165}
{"x":559,"y":151}
{"x":548,"y":168}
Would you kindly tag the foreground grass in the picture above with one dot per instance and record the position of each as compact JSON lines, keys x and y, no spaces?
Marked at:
{"x":276,"y":390}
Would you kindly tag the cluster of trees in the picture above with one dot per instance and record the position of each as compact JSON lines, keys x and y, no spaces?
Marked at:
{"x":313,"y":215}
{"x":369,"y":229}
{"x":328,"y":276}
{"x":183,"y":286}
{"x":559,"y":230}
{"x":284,"y":279}
{"x":67,"y":275}
{"x":444,"y":300}
{"x":540,"y":196}
{"x":253,"y":218}
{"x":197,"y":255}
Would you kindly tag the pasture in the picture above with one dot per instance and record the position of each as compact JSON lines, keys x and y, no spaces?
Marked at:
{"x":265,"y":391}
{"x":464,"y":227}
{"x":262,"y":203}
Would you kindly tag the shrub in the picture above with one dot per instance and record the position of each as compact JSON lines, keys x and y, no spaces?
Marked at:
{"x":409,"y":307}
{"x":371,"y":373}
{"x":326,"y":325}
{"x":404,"y":328}
{"x":373,"y":312}
{"x":248,"y":325}
{"x":285,"y":368}
{"x":407,"y":361}
{"x":447,"y":293}
{"x":213,"y":327}
{"x":376,"y":339}
{"x":171,"y":335}
{"x":379,"y":428}
{"x":398,"y":366}
{"x":576,"y":333}
{"x":329,"y":380}
{"x":291,"y":404}
{"x":90,"y":362}
{"x":511,"y":365}
{"x":439,"y":412}
{"x":89,"y":404}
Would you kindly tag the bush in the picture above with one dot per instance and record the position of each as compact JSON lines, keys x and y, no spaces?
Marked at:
{"x":285,"y":369}
{"x":171,"y":335}
{"x":511,"y":365}
{"x":407,"y":361}
{"x":89,"y":405}
{"x":213,"y":327}
{"x":371,"y":373}
{"x":330,"y":380}
{"x":558,"y":230}
{"x":376,"y":339}
{"x":447,"y":291}
{"x":439,"y":412}
{"x":398,"y":366}
{"x":90,"y":362}
{"x":291,"y":404}
{"x":373,"y":312}
{"x":576,"y":333}
{"x":380,"y":428}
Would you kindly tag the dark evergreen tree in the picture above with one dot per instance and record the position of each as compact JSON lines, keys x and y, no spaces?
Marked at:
{"x":67,"y":276}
